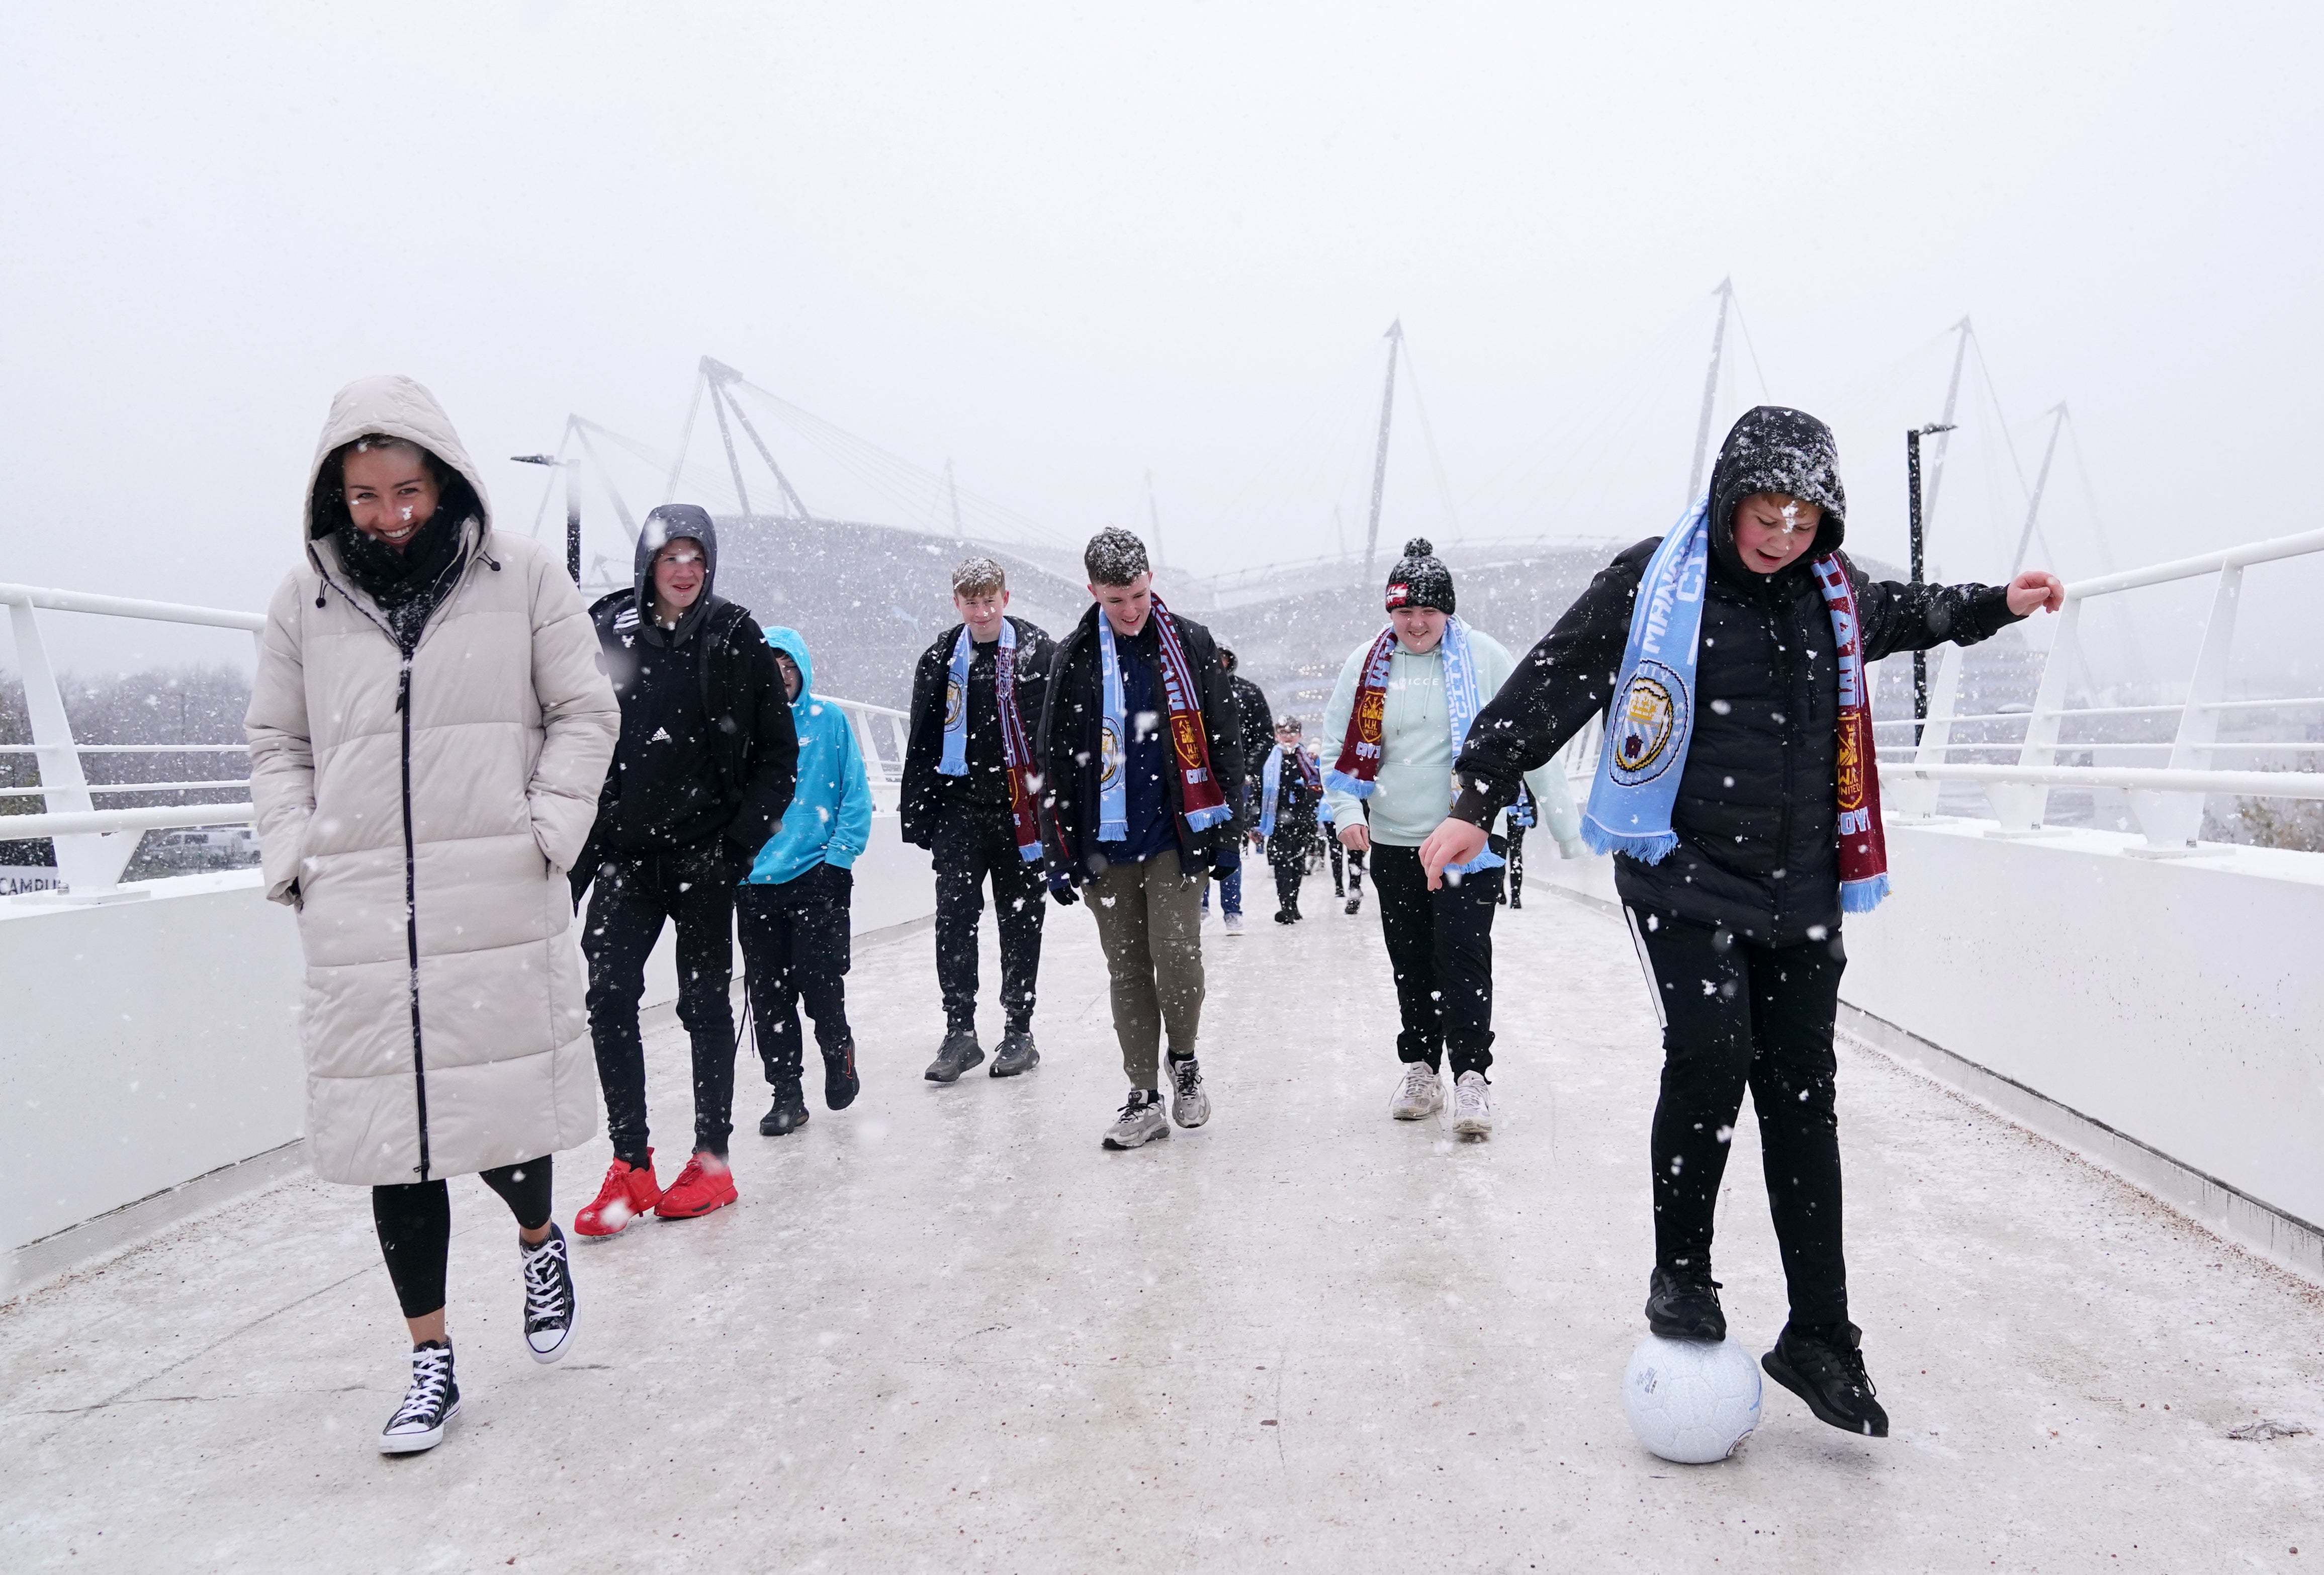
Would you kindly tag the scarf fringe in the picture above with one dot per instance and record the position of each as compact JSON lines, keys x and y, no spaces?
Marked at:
{"x":1353,"y":787}
{"x":1863,"y":896}
{"x":1645,"y":847}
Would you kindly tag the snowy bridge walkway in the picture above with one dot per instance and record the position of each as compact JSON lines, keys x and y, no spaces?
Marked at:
{"x":945,"y":1330}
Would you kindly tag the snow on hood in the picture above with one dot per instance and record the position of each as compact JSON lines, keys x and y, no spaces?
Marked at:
{"x":1775,"y":449}
{"x":666,"y":524}
{"x":397,"y":407}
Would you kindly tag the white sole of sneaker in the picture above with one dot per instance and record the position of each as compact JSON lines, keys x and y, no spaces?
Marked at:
{"x":562,"y":1346}
{"x":412,"y":1443}
{"x":1113,"y":1142}
{"x":1474,"y":1128}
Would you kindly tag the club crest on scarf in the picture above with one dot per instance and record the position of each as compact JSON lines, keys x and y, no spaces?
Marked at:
{"x":1650,"y":720}
{"x":954,"y":697}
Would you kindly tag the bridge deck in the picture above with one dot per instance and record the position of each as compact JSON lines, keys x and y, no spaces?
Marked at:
{"x":945,"y":1330}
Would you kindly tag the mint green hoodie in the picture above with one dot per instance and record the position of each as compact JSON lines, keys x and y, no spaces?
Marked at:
{"x":1414,"y":787}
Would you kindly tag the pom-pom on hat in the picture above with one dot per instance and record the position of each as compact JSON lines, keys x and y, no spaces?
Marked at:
{"x":1420,"y":579}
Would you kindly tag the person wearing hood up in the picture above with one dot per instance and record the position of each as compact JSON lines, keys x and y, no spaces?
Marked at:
{"x":795,"y":905}
{"x":428,"y":729}
{"x":701,"y":778}
{"x":1738,"y":793}
{"x":1404,"y":701}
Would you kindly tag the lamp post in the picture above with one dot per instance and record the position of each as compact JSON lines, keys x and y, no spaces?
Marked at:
{"x":573,"y":509}
{"x":1912,"y":483}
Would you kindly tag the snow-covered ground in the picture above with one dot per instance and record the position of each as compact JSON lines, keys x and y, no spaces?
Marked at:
{"x":945,"y":1330}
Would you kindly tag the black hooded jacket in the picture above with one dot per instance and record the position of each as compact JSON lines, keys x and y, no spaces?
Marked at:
{"x":707,"y":745}
{"x":1757,"y":814}
{"x":926,"y":790}
{"x":1067,"y":745}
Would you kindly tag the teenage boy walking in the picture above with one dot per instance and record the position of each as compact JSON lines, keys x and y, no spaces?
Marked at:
{"x":969,"y":796}
{"x":701,"y":777}
{"x":1290,"y":790}
{"x":795,"y":905}
{"x":1405,"y":702}
{"x":1140,"y":740}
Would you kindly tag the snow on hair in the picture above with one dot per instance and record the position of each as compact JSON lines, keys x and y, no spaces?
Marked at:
{"x":979,"y":576}
{"x":1114,"y":557}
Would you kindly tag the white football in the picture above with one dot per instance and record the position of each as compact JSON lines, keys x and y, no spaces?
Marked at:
{"x":1690,"y":1401}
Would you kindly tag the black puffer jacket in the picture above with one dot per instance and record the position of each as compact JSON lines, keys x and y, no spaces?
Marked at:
{"x":753,"y":746}
{"x":1067,"y":744}
{"x":1756,"y":814}
{"x":924,"y":789}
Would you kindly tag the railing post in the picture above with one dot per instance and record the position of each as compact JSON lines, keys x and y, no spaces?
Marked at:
{"x":2022,"y":806}
{"x":87,"y":861}
{"x":2174,"y":820}
{"x":1916,"y":795}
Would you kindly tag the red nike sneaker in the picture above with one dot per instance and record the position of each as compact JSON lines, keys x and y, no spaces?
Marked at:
{"x":705,"y":1184}
{"x":628,"y":1193}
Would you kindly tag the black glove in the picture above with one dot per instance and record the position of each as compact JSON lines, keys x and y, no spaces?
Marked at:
{"x":1063,"y":890}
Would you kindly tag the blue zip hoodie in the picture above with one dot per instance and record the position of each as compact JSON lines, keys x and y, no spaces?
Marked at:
{"x":829,"y":821}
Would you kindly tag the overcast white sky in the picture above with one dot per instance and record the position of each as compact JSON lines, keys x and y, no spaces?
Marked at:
{"x":1064,"y":245}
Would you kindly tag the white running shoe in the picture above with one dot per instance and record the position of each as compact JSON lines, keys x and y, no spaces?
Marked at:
{"x":1472,"y":1106}
{"x":1234,"y":924}
{"x":1190,"y":1106}
{"x":1139,"y":1123}
{"x":551,"y":1310}
{"x":1420,"y":1095}
{"x":432,"y":1401}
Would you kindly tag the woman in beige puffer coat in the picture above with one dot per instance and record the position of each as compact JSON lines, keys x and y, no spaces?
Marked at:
{"x":428,"y":732}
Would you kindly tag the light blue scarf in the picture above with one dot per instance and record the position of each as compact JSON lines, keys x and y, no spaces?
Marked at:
{"x":955,"y":723}
{"x":1270,"y":786}
{"x":1652,"y":720}
{"x":1461,"y":703}
{"x":1112,"y":744}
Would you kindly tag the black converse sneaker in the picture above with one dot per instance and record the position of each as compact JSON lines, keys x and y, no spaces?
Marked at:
{"x":433,"y":1400}
{"x":1825,"y":1368}
{"x":551,"y":1310}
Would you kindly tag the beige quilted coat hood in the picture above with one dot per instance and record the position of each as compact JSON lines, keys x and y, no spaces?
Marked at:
{"x":450,"y":1036}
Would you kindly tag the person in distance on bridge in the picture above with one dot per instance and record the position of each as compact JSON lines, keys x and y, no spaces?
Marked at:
{"x":428,"y":729}
{"x":1290,"y":787}
{"x":970,"y":797}
{"x":704,"y":769}
{"x":1404,"y":701}
{"x":1257,"y":739}
{"x":793,"y":907}
{"x":1737,"y":794}
{"x":1137,"y":744}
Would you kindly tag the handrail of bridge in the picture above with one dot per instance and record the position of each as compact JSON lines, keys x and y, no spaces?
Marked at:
{"x":2166,"y":801}
{"x":94,"y":846}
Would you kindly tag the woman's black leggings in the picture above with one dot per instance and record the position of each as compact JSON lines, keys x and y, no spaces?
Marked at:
{"x":415,"y":1227}
{"x":1735,"y":1013}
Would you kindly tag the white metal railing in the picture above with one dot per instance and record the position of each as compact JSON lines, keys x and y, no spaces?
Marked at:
{"x":94,"y":845}
{"x":2167,"y":800}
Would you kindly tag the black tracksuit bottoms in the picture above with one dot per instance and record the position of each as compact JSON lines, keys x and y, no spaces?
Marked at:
{"x":1347,"y":866}
{"x":974,"y":843}
{"x":414,"y":1220}
{"x":634,"y":893}
{"x":798,"y":943}
{"x":1736,"y":1015}
{"x":1441,"y":946}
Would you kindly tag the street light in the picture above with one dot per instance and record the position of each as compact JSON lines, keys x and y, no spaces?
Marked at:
{"x":1912,"y":482}
{"x":573,"y":509}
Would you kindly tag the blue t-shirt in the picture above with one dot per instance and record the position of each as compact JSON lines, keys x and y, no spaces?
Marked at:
{"x":1153,"y":827}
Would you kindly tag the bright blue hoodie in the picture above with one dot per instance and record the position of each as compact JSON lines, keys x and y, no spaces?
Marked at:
{"x":829,"y":821}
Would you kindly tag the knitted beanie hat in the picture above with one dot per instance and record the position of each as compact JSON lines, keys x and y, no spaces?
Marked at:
{"x":1420,"y":579}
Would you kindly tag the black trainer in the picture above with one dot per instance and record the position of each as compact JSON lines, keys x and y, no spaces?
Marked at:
{"x":1016,"y":1053}
{"x":1283,"y":916}
{"x":787,"y":1115}
{"x":959,"y":1052}
{"x":1683,"y":1304}
{"x":1825,"y":1368}
{"x":1354,"y":903}
{"x":840,"y":1083}
{"x":430,"y":1402}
